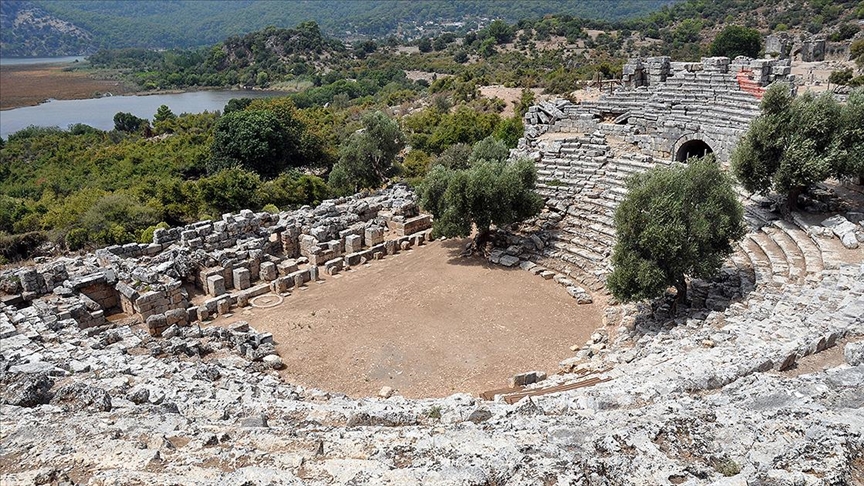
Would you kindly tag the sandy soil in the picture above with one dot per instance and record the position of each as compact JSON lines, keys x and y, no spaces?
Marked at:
{"x":509,"y":95}
{"x":424,"y":322}
{"x":28,"y":85}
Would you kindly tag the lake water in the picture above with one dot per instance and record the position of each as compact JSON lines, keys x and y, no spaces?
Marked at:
{"x":99,"y":112}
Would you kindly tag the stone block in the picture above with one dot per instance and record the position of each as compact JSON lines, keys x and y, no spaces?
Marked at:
{"x":156,"y":324}
{"x":374,"y":235}
{"x":390,"y":247}
{"x":242,"y":278}
{"x":415,"y":224}
{"x":268,"y":271}
{"x":334,"y":266}
{"x":286,"y":267}
{"x":353,"y":244}
{"x":215,"y":285}
{"x":223,"y":307}
{"x":176,"y":316}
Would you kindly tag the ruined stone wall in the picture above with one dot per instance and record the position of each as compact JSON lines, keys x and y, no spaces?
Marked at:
{"x":229,"y":261}
{"x":663,"y":105}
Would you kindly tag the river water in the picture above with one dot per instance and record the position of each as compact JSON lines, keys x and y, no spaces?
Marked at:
{"x":99,"y":112}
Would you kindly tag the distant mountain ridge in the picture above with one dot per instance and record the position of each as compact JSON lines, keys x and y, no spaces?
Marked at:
{"x":49,"y":28}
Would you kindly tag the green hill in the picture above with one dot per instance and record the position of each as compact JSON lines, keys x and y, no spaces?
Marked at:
{"x":47,"y":27}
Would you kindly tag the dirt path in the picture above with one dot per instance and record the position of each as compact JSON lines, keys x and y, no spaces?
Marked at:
{"x":426,"y":323}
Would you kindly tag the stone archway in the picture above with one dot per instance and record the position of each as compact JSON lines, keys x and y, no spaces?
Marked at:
{"x":693,"y":145}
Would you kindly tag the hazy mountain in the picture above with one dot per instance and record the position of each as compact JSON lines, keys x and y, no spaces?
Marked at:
{"x":48,"y":27}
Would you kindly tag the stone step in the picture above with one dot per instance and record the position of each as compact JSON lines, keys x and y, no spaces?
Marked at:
{"x":591,"y":230}
{"x":830,"y":249}
{"x":746,"y":273}
{"x":581,"y":251}
{"x":791,"y":252}
{"x":590,"y":214}
{"x":811,"y":253}
{"x":776,"y":258}
{"x":588,"y":238}
{"x":759,"y":262}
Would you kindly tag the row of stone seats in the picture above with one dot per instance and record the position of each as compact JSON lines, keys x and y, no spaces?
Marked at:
{"x":779,"y":254}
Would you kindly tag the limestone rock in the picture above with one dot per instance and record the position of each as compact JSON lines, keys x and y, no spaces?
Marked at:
{"x":854,"y":353}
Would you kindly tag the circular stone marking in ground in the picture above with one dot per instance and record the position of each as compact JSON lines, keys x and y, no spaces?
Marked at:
{"x":266,"y":301}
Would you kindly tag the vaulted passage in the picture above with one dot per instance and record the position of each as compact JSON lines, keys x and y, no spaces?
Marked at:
{"x":692,"y":148}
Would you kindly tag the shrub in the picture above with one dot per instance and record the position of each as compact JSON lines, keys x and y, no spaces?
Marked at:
{"x":76,"y":238}
{"x":734,"y":41}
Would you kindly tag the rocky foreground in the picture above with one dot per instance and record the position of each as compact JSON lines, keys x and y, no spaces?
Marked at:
{"x":763,"y":384}
{"x":689,"y":401}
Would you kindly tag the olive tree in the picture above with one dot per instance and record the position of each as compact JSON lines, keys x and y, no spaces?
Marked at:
{"x":675,"y":222}
{"x":789,"y":145}
{"x":366,"y":159}
{"x":847,"y":149}
{"x":486,"y":193}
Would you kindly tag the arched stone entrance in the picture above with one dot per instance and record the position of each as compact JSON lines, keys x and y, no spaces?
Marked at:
{"x":695,"y":145}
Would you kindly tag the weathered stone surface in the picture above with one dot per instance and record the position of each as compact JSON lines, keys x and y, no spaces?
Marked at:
{"x":854,"y":353}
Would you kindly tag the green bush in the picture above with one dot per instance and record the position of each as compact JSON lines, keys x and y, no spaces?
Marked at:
{"x":147,"y":234}
{"x":734,"y":41}
{"x":231,"y":190}
{"x":76,"y":238}
{"x":270,"y":208}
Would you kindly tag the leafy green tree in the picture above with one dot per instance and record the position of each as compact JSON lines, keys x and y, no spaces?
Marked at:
{"x":788,"y":147}
{"x":127,"y":122}
{"x":847,"y":148}
{"x":464,"y":125}
{"x":164,"y":120}
{"x":366,"y":159}
{"x":526,"y":99}
{"x":117,"y":218}
{"x":734,"y":41}
{"x":674,"y":222}
{"x":509,"y":131}
{"x":416,"y":164}
{"x":856,"y":51}
{"x":293,"y":189}
{"x":425,"y":45}
{"x":236,"y":104}
{"x":840,"y":76}
{"x":500,"y":31}
{"x":254,"y":139}
{"x":499,"y":193}
{"x":163,"y":113}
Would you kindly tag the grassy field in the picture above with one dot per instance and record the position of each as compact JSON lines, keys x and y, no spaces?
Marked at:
{"x":28,"y":85}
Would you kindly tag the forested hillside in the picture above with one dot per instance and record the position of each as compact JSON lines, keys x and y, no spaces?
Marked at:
{"x":175,"y":23}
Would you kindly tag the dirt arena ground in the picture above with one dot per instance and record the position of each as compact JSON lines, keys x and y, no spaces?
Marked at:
{"x":426,"y":323}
